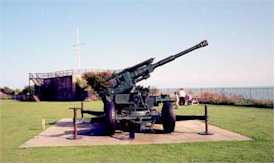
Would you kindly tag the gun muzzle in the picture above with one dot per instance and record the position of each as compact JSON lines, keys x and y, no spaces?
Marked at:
{"x":203,"y":43}
{"x":173,"y":57}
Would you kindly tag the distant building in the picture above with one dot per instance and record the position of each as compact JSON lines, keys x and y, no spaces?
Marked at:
{"x":59,"y":85}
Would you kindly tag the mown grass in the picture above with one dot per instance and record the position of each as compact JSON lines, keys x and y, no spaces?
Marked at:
{"x":20,"y":121}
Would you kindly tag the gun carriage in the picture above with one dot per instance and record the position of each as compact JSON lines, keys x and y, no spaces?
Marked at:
{"x":129,"y":106}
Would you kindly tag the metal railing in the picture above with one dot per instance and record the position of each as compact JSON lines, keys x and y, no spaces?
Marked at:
{"x":65,"y":73}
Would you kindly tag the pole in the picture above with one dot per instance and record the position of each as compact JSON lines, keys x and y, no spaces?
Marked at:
{"x":205,"y":122}
{"x":81,"y":109}
{"x":74,"y":133}
{"x":29,"y":96}
{"x":206,"y":119}
{"x":75,"y":128}
{"x":43,"y":124}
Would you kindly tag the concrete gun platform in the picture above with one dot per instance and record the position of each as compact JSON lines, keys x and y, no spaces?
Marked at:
{"x":92,"y":134}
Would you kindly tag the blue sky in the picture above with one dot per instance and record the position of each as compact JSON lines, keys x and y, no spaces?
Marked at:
{"x":37,"y":36}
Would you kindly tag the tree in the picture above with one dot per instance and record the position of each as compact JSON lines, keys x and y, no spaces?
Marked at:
{"x":81,"y":89}
{"x":17,"y":91}
{"x":7,"y":90}
{"x":98,"y":80}
{"x":27,"y":90}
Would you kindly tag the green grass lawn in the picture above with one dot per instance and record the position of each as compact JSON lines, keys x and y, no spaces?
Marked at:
{"x":20,"y":121}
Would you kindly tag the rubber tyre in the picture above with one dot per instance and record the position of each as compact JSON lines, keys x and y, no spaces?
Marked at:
{"x":168,"y":117}
{"x":110,"y":121}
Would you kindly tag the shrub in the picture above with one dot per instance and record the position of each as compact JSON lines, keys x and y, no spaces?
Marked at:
{"x":220,"y":99}
{"x":154,"y":91}
{"x":4,"y":96}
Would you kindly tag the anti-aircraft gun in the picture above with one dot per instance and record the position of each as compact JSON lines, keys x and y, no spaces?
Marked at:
{"x":127,"y":105}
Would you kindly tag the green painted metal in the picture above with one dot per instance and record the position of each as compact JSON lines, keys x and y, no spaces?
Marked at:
{"x":133,"y":103}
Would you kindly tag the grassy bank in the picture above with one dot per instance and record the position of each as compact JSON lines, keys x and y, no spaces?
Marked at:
{"x":20,"y":121}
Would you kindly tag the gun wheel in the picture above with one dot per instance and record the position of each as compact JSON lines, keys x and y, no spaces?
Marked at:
{"x":168,"y":117}
{"x":109,"y":110}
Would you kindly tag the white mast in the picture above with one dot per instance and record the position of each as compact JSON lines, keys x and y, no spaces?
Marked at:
{"x":76,"y":47}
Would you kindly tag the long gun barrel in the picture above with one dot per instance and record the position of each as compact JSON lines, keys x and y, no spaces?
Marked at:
{"x":173,"y":57}
{"x":127,"y":78}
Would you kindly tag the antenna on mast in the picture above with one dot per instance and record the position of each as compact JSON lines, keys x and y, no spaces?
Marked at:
{"x":76,"y":47}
